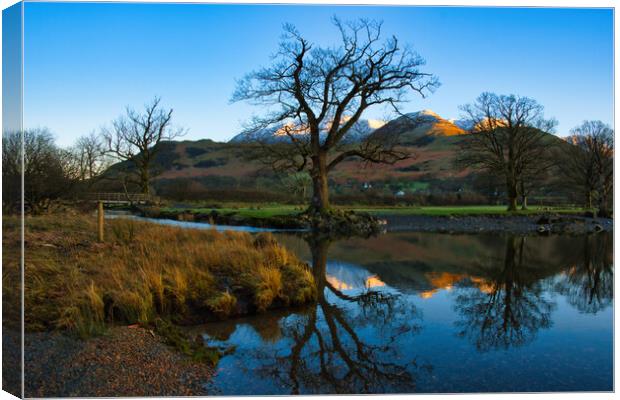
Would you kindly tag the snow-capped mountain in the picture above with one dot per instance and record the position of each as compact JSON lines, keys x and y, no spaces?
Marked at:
{"x":359,"y":131}
{"x":423,"y":122}
{"x":464,"y":124}
{"x":424,"y":116}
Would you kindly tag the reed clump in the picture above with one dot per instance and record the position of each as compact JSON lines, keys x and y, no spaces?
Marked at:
{"x":145,"y":272}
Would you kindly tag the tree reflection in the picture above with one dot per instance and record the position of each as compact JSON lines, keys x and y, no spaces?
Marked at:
{"x":331,"y":352}
{"x":509,"y":308}
{"x":589,"y":283}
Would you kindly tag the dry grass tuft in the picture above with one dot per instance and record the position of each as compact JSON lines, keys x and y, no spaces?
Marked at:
{"x":145,"y":271}
{"x":268,"y":287}
{"x":223,"y":304}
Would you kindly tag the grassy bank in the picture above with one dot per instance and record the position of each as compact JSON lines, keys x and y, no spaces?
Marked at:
{"x":257,"y":212}
{"x":143,"y":273}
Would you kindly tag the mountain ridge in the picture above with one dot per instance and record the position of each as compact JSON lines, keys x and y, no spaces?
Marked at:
{"x":362,"y":129}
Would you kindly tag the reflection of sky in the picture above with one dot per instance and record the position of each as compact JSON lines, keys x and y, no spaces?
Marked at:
{"x":230,"y":368}
{"x":193,"y":225}
{"x":575,"y":353}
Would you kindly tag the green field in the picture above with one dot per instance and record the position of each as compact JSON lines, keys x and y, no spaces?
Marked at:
{"x":467,"y":210}
{"x":272,"y":210}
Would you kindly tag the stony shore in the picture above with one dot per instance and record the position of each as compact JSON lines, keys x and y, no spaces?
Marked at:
{"x":126,"y":361}
{"x":355,"y":222}
{"x":518,"y":224}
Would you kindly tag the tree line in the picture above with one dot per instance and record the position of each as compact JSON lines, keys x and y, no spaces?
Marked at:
{"x":323,"y":92}
{"x":510,"y":139}
{"x":51,"y":172}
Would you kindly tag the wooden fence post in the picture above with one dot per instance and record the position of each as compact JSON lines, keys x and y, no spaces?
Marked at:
{"x":100,"y":220}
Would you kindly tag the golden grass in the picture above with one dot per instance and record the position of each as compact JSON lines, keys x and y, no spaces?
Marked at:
{"x":145,"y":271}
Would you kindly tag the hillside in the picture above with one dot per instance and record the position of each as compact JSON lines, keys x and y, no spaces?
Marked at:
{"x":219,"y":169}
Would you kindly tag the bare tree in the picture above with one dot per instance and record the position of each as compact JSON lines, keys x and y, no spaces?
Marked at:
{"x":588,"y":163}
{"x":509,"y":138}
{"x":48,"y":171}
{"x":89,"y":152}
{"x":11,"y":170}
{"x":134,"y":137}
{"x":320,"y":93}
{"x":536,"y":170}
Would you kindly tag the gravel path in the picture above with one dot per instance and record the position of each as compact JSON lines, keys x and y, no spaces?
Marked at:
{"x":11,"y":360}
{"x":125,"y":362}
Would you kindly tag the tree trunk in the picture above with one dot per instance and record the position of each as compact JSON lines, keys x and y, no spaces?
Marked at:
{"x":589,"y":199}
{"x":320,"y":195}
{"x":603,"y":210}
{"x":523,"y":197}
{"x":318,"y":247}
{"x":145,"y":180}
{"x":512,"y":193}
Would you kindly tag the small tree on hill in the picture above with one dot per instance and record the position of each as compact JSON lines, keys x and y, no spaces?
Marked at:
{"x":321,"y":92}
{"x":134,"y":138}
{"x":509,"y":138}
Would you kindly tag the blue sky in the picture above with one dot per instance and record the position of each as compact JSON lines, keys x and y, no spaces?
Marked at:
{"x":85,"y":62}
{"x":11,"y":68}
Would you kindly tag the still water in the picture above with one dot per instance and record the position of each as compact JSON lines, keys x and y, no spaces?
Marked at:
{"x":192,"y":225}
{"x":422,"y":312}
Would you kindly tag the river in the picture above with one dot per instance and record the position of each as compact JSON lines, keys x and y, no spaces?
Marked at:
{"x":411,"y":312}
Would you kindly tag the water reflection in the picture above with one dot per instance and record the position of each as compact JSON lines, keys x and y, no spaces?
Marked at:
{"x":331,"y":353}
{"x":507,"y":306}
{"x":419,"y":312}
{"x":589,"y":283}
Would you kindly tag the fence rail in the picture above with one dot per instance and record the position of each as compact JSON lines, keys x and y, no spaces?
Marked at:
{"x":120,"y":198}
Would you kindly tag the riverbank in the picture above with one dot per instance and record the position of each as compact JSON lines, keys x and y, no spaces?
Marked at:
{"x":144,"y":271}
{"x":448,"y":219}
{"x":151,"y":277}
{"x":335,"y":222}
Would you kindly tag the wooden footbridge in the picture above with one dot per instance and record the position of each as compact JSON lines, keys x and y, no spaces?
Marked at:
{"x":121,"y":198}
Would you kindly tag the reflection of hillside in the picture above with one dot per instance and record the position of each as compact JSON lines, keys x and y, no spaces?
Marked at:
{"x":344,"y":276}
{"x":447,"y":281}
{"x":368,"y":283}
{"x":425,"y":262}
